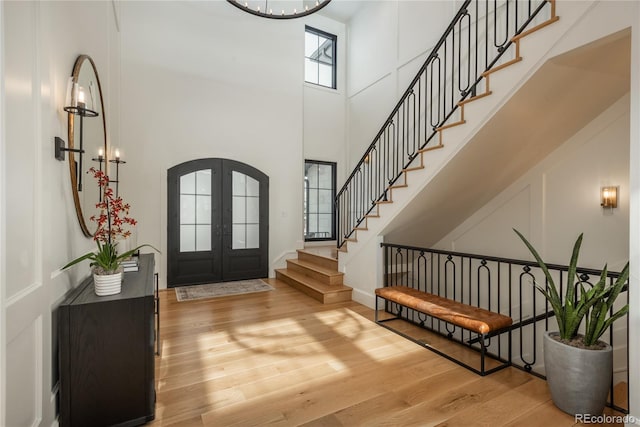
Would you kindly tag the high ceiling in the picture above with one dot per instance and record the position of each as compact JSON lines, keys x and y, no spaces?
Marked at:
{"x":342,"y":10}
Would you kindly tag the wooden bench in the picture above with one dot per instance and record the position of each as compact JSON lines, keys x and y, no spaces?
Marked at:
{"x":483,"y":322}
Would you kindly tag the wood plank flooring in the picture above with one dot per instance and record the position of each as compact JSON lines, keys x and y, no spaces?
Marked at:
{"x":280,"y":358}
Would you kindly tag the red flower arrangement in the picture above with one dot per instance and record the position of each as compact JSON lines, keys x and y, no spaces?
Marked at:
{"x":113,"y":223}
{"x":113,"y":213}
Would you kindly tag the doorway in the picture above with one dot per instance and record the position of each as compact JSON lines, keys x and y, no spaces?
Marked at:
{"x":218,"y":222}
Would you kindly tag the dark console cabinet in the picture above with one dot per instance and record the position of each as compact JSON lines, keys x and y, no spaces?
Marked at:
{"x":106,"y":353}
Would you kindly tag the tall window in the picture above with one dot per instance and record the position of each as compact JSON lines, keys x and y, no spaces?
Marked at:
{"x":319,"y":196}
{"x":320,"y":58}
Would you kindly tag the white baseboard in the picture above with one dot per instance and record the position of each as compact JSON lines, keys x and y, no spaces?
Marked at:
{"x":364,"y":298}
{"x":281,"y":260}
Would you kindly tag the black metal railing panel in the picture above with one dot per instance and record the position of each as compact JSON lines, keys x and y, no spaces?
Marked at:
{"x":474,"y":42}
{"x":501,"y":285}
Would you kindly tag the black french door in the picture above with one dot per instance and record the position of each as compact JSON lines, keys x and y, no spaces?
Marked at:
{"x":218,"y":222}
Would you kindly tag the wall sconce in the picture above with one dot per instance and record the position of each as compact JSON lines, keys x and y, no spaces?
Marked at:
{"x":118,"y":161}
{"x":79,"y":104}
{"x":59,"y":148}
{"x":100,"y":159}
{"x":609,"y":197}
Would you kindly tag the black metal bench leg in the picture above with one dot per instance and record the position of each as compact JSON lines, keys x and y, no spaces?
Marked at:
{"x":483,"y":351}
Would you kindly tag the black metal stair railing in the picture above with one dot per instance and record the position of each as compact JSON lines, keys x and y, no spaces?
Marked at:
{"x":473,"y":43}
{"x":501,"y":285}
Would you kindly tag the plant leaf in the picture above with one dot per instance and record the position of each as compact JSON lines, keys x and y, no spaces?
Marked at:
{"x":569,"y":309}
{"x":552,"y":294}
{"x":134,"y":250}
{"x":90,"y":255}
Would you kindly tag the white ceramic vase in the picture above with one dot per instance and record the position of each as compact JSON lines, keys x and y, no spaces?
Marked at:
{"x":107,"y":284}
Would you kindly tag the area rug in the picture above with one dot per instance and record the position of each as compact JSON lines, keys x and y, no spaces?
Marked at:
{"x":213,"y":290}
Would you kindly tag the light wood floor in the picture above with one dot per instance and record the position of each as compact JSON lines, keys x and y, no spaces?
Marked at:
{"x":280,"y":358}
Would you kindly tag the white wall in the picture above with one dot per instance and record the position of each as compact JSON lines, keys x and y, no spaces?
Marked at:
{"x":40,"y":44}
{"x":202,"y":79}
{"x":558,"y":199}
{"x":634,"y":213}
{"x":388,"y":42}
{"x":3,"y":228}
{"x":325,"y":109}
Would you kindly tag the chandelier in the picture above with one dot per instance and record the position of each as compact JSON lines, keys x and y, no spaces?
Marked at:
{"x":280,"y":9}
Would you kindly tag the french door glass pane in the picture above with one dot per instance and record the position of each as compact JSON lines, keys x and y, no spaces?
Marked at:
{"x":239,"y":183}
{"x":203,"y":181}
{"x":245,"y":212}
{"x":253,"y":187}
{"x":187,"y":209}
{"x":253,"y":236}
{"x":239,"y":239}
{"x":195,"y":211}
{"x":203,"y":237}
{"x":187,"y":238}
{"x":253,"y":209}
{"x":203,"y":209}
{"x":239,"y":211}
{"x":188,"y":183}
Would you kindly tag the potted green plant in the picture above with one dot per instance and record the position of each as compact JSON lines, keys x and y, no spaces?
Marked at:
{"x":579,"y":366}
{"x":112,"y":224}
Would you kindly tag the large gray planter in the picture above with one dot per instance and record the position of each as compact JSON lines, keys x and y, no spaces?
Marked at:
{"x":579,"y":379}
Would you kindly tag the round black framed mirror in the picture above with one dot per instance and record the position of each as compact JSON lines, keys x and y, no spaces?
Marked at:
{"x":87,"y":131}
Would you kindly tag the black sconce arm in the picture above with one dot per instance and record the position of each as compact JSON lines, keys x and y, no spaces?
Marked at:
{"x":59,"y":149}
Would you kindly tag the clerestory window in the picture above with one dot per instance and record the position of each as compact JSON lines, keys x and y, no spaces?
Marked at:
{"x":320,"y":58}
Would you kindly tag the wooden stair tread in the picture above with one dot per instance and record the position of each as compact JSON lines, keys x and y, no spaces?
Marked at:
{"x":313,"y":283}
{"x":398,"y":186}
{"x":411,"y":169}
{"x":326,"y":294}
{"x":321,"y":258}
{"x":330,"y":254}
{"x":451,"y":125}
{"x":502,"y":66}
{"x":475,"y":98}
{"x":316,"y":268}
{"x":427,"y":149}
{"x":536,"y":28}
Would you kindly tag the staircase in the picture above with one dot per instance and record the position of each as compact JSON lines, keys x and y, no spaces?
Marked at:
{"x":434,"y":103}
{"x":315,"y":273}
{"x":408,"y":181}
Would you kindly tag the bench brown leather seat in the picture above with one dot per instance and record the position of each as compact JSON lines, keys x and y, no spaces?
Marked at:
{"x":471,"y":318}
